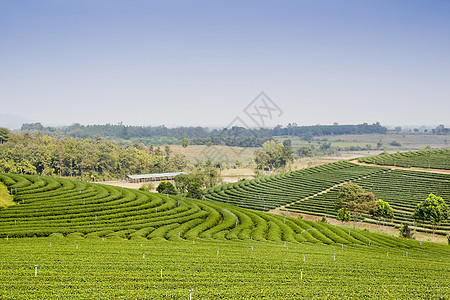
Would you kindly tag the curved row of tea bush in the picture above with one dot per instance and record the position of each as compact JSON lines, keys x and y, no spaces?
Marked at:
{"x":53,"y":206}
{"x":434,"y":159}
{"x":269,"y":192}
{"x":402,"y":189}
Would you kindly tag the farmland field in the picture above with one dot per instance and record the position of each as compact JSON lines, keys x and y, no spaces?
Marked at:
{"x":66,"y":239}
{"x":78,"y":267}
{"x":314,"y":190}
{"x":434,"y":159}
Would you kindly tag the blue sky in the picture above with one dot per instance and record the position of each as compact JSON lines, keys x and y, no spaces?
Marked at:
{"x":201,"y":62}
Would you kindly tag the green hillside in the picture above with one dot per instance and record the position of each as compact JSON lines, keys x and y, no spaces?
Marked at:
{"x":434,"y":159}
{"x":314,"y":190}
{"x":76,"y":240}
{"x":52,"y":205}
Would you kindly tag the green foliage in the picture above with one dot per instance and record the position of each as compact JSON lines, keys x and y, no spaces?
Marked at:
{"x":355,"y":200}
{"x":116,"y":269}
{"x":426,"y":158}
{"x":185,"y":142}
{"x":383,"y":210}
{"x":305,"y":151}
{"x":433,"y":209}
{"x":208,"y":142}
{"x":147,"y":187}
{"x":4,"y":135}
{"x":273,"y":156}
{"x":166,"y":187}
{"x":194,"y":191}
{"x":5,"y":198}
{"x":405,"y":231}
{"x":344,"y":215}
{"x":87,"y":159}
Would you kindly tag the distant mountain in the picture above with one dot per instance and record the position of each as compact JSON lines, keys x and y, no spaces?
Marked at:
{"x":12,"y":121}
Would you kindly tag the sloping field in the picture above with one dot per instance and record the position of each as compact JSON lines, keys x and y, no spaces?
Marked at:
{"x":102,"y":242}
{"x":432,"y":159}
{"x":402,"y":189}
{"x":59,"y":206}
{"x":270,"y":192}
{"x":314,"y":190}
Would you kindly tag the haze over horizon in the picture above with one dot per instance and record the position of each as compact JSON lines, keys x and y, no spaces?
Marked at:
{"x":201,"y":63}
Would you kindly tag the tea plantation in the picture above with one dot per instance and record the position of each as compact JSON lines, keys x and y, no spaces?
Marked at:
{"x":65,"y":239}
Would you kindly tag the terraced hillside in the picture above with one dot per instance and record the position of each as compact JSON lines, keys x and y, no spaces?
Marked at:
{"x":49,"y":206}
{"x":402,"y":189}
{"x":313,"y":191}
{"x":434,"y":159}
{"x":270,"y":192}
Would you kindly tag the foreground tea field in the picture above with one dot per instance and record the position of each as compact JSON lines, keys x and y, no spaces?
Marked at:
{"x":81,"y":268}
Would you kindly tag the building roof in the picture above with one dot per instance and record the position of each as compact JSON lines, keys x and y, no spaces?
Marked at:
{"x":157,"y":175}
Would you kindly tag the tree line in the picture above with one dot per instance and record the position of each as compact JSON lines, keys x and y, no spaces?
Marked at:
{"x":87,"y":159}
{"x":234,"y":136}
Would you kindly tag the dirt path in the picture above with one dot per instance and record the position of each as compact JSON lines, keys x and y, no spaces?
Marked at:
{"x":355,"y":161}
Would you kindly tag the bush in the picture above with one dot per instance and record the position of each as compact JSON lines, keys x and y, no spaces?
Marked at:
{"x":405,"y":231}
{"x":166,"y":187}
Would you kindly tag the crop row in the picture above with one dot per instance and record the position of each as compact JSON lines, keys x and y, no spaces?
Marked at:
{"x":435,"y":159}
{"x":55,"y":206}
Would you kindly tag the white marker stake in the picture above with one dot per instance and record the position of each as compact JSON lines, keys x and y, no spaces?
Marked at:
{"x":103,"y":238}
{"x":143,"y":254}
{"x":252,"y":248}
{"x":342,"y":245}
{"x":50,"y":244}
{"x":35,"y":270}
{"x":190,"y":294}
{"x":178,"y":234}
{"x":301,"y":274}
{"x":7,"y":237}
{"x":406,"y":253}
{"x":161,"y":272}
{"x":77,"y":245}
{"x":217,"y":252}
{"x":193,"y":241}
{"x":156,"y":209}
{"x":304,"y":258}
{"x":15,"y":222}
{"x":387,"y":253}
{"x":369,"y":242}
{"x":141,"y":244}
{"x":96,"y":218}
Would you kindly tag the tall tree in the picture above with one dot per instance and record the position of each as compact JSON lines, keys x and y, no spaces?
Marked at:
{"x":4,"y":135}
{"x":383,"y":211}
{"x":353,"y":199}
{"x":433,"y":210}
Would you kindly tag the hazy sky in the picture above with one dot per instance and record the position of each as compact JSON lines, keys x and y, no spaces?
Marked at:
{"x":202,"y":62}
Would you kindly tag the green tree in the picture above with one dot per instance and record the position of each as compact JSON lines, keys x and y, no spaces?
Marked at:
{"x":166,"y":187}
{"x":273,"y":156}
{"x":433,"y":210}
{"x":383,"y":211}
{"x":194,"y":191}
{"x":305,"y":151}
{"x":185,"y":142}
{"x":405,"y":231}
{"x":208,"y":142}
{"x":4,"y":135}
{"x":353,"y":199}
